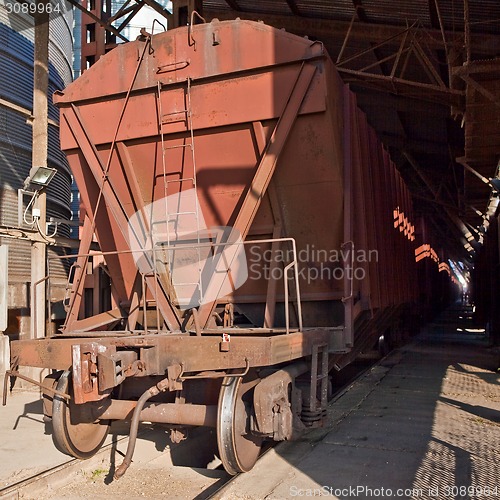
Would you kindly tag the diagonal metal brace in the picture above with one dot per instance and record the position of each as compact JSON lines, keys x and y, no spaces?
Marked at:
{"x":267,"y":166}
{"x":73,"y":120}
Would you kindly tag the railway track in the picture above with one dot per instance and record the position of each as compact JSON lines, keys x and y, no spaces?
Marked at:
{"x":14,"y":490}
{"x":175,"y":475}
{"x":55,"y":476}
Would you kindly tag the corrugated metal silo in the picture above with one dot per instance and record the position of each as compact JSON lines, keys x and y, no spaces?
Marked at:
{"x":16,"y":101}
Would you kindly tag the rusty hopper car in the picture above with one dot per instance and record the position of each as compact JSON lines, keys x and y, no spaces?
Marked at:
{"x":254,"y":234}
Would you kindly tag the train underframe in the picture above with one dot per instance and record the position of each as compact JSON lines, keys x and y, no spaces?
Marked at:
{"x":249,"y":384}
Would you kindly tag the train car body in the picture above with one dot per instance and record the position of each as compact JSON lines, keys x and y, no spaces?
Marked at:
{"x":254,"y":233}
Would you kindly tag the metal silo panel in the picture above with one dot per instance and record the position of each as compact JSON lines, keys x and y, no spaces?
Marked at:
{"x":16,"y":86}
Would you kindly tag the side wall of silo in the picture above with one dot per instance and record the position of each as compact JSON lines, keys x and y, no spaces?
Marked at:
{"x":16,"y":101}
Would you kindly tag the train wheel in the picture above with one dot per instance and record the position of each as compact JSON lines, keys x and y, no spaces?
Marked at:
{"x":238,"y":447}
{"x":78,"y":439}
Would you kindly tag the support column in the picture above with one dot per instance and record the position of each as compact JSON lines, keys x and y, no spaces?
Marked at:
{"x":4,"y":297}
{"x":96,"y":39}
{"x":39,"y":159}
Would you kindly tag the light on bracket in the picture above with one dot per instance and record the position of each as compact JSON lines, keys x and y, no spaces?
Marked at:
{"x":41,"y":176}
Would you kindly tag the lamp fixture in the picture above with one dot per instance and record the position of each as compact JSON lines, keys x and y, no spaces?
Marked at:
{"x":41,"y":176}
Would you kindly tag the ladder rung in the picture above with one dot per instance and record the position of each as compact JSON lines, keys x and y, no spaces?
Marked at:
{"x":178,"y":146}
{"x":186,"y":284}
{"x":180,"y":244}
{"x":179,"y":213}
{"x":174,"y":117}
{"x":181,"y":180}
{"x":175,"y":112}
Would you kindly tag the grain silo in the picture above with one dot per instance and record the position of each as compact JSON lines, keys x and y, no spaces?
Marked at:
{"x":16,"y":103}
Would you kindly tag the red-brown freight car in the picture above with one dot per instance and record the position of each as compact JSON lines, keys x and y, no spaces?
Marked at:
{"x":255,"y":236}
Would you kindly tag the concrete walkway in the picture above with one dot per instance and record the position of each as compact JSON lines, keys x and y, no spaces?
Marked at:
{"x":26,"y":448}
{"x":27,"y":452}
{"x":425,"y":423}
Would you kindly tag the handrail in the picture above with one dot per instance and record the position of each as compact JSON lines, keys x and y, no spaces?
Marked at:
{"x":191,"y":40}
{"x":293,"y":264}
{"x":351,"y":291}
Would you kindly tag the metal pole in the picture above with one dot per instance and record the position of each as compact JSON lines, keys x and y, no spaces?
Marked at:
{"x":39,"y":159}
{"x":467,"y":31}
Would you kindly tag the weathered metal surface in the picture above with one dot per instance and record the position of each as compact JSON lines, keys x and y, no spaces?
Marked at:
{"x":108,"y":318}
{"x":268,"y":162}
{"x":84,"y":376}
{"x":303,"y":131}
{"x":275,"y":411}
{"x":161,"y":351}
{"x":267,"y":74}
{"x":165,"y":413}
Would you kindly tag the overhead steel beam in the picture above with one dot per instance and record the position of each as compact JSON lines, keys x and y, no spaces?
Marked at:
{"x":124,"y":9}
{"x":490,"y":66}
{"x":438,"y":98}
{"x":479,"y":88}
{"x":435,"y":201}
{"x":234,"y":5}
{"x":376,"y":99}
{"x":161,"y":10}
{"x":462,"y":228}
{"x":360,"y":76}
{"x":481,"y":43}
{"x":293,"y":7}
{"x":98,"y":20}
{"x":462,"y":160}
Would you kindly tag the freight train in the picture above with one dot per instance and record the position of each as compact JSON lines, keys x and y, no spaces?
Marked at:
{"x":254,"y":237}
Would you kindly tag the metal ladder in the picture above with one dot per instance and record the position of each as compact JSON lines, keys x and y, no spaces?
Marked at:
{"x":313,"y":411}
{"x":195,"y":212}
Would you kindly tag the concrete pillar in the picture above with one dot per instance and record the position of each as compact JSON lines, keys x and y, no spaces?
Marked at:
{"x":39,"y":159}
{"x":4,"y":355}
{"x":4,"y":297}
